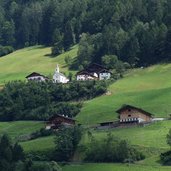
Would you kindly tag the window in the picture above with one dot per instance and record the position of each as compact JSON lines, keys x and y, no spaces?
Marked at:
{"x":129,"y":115}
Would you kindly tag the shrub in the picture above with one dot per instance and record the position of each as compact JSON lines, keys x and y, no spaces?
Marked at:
{"x":5,"y":50}
{"x":111,"y":149}
{"x":66,"y":142}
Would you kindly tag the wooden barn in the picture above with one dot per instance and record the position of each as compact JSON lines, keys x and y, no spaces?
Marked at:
{"x":131,"y":114}
{"x":57,"y":121}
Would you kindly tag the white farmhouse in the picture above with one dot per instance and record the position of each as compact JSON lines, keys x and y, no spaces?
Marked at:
{"x":34,"y":76}
{"x":94,"y":72}
{"x":59,"y":77}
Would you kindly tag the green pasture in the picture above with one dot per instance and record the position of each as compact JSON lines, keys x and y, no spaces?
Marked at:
{"x":149,"y":136}
{"x":20,"y":128}
{"x":114,"y":167}
{"x":149,"y":89}
{"x":17,"y":65}
{"x":39,"y":145}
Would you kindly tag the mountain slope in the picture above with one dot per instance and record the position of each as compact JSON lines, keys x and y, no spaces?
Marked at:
{"x":19,"y":64}
{"x":148,"y":88}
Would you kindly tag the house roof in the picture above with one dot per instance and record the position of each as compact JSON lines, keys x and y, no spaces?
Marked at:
{"x":93,"y":68}
{"x":34,"y":74}
{"x":61,"y":116}
{"x":84,"y":72}
{"x":124,"y":107}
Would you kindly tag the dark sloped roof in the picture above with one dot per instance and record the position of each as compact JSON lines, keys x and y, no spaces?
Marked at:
{"x":93,"y":68}
{"x":34,"y":74}
{"x":61,"y":116}
{"x":124,"y":107}
{"x":84,"y":72}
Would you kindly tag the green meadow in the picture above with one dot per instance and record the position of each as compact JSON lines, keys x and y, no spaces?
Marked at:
{"x":151,"y":140}
{"x":113,"y":167}
{"x":149,"y":89}
{"x":149,"y":136}
{"x":20,"y":128}
{"x":39,"y":145}
{"x":17,"y":65}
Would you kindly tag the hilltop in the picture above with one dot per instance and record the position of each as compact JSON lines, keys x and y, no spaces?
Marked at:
{"x":17,"y":65}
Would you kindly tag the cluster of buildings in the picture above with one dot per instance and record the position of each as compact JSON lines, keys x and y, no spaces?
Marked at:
{"x":58,"y":77}
{"x":92,"y":72}
{"x":128,"y":115}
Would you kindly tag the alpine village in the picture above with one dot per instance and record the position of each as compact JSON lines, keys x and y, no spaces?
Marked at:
{"x":85,"y":85}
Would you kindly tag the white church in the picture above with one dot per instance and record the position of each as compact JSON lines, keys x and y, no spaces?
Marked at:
{"x":59,"y":77}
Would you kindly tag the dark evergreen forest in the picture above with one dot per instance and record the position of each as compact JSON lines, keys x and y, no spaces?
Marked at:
{"x":134,"y":31}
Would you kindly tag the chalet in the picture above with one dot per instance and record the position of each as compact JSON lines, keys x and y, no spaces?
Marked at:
{"x":34,"y":76}
{"x":93,"y":72}
{"x":59,"y":77}
{"x":131,"y":114}
{"x":57,"y":121}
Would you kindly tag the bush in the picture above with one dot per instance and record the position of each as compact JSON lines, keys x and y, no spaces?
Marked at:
{"x":9,"y":154}
{"x":5,"y":50}
{"x":166,"y":158}
{"x":66,"y":142}
{"x":111,"y":149}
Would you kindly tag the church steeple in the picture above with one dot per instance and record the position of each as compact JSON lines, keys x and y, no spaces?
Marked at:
{"x":57,"y":68}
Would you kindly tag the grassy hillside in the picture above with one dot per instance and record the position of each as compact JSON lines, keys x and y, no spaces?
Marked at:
{"x":113,"y":167}
{"x":148,"y":88}
{"x":151,"y":140}
{"x":18,"y":128}
{"x":17,"y":65}
{"x":40,"y":145}
{"x":150,"y":136}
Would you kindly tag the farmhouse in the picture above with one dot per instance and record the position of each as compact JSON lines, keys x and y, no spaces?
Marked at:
{"x":131,"y":114}
{"x":36,"y":77}
{"x":59,"y":77}
{"x":57,"y":121}
{"x":93,"y":72}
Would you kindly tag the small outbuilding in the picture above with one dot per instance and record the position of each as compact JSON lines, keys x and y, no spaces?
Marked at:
{"x":56,"y":121}
{"x":132,"y":114}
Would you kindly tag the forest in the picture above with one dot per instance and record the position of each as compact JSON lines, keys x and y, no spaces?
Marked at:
{"x":137,"y":32}
{"x":39,"y":101}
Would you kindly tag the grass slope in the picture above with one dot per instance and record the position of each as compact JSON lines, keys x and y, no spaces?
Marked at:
{"x":150,"y":136}
{"x":18,"y":128}
{"x":148,"y":88}
{"x":113,"y":167}
{"x":40,"y":145}
{"x":17,"y":65}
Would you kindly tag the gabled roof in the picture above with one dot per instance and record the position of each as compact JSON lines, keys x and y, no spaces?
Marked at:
{"x":124,"y":107}
{"x":93,"y":68}
{"x":61,"y":116}
{"x":84,"y":72}
{"x":34,"y":74}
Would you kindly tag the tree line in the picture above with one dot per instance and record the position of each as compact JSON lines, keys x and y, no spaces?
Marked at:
{"x":135,"y":31}
{"x":40,"y":100}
